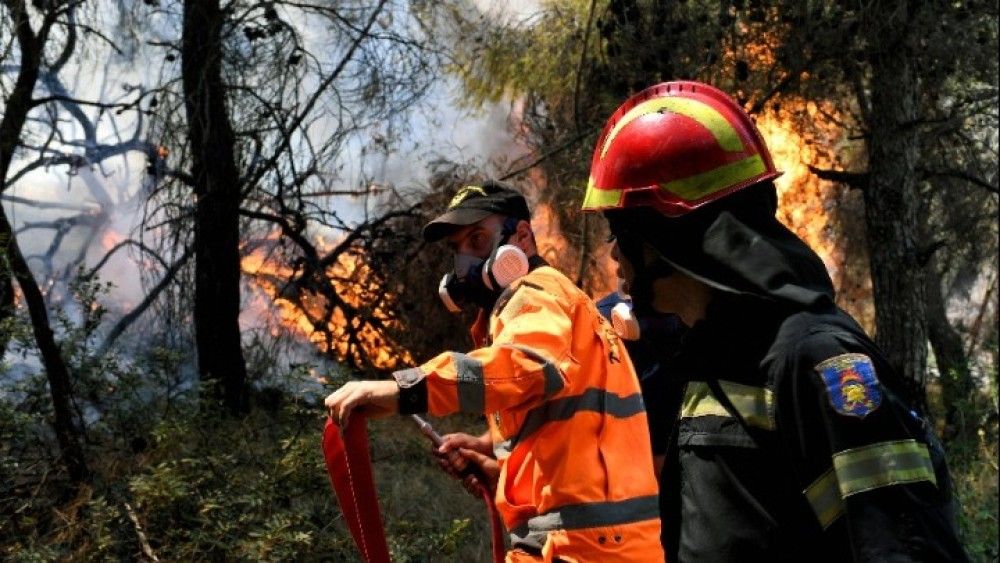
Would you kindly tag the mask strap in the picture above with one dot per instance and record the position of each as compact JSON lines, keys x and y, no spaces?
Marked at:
{"x":508,"y":229}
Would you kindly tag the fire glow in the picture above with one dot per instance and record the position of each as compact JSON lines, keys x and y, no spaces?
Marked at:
{"x":347,"y":320}
{"x":807,"y":204}
{"x":356,"y":328}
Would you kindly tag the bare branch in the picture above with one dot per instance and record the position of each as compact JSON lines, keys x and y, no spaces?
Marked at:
{"x":48,"y":204}
{"x":778,"y":88}
{"x":123,"y":323}
{"x":49,"y":99}
{"x":961,"y":175}
{"x":107,"y":255}
{"x":569,"y":143}
{"x":288,"y":230}
{"x":368,"y":190}
{"x":143,"y":541}
{"x":356,"y":234}
{"x":858,"y":180}
{"x":90,"y":30}
{"x":320,"y":89}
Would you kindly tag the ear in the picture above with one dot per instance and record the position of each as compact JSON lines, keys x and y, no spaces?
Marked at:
{"x":523,"y":233}
{"x":523,"y":229}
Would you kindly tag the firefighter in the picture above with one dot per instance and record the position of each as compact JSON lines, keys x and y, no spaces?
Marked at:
{"x":561,"y":399}
{"x":652,"y":338}
{"x":795,"y":441}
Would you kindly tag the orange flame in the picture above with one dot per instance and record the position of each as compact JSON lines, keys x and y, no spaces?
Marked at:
{"x":358,"y":330}
{"x":807,"y":204}
{"x":800,"y":133}
{"x":548,"y":236}
{"x":354,"y":329}
{"x":557,"y":251}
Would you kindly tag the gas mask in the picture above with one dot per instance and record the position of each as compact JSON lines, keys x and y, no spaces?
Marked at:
{"x":623,"y":319}
{"x":480,"y":281}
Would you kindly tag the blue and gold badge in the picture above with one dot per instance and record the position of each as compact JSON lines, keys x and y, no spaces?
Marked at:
{"x":851,"y":384}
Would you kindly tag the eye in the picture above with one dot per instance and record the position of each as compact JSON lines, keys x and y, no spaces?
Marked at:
{"x":611,"y":239}
{"x":477,"y":240}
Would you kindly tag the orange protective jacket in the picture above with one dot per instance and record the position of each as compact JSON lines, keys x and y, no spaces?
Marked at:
{"x":567,"y":420}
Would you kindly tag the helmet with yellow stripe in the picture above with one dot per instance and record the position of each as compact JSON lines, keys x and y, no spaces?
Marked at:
{"x":675,"y":147}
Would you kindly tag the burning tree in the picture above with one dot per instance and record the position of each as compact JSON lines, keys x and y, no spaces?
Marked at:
{"x":864,"y":103}
{"x":272,"y":113}
{"x":340,"y":296}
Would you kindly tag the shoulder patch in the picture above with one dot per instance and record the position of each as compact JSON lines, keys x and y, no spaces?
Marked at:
{"x":851,"y":384}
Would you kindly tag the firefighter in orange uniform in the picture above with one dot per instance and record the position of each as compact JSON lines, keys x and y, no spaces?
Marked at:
{"x":560,"y":395}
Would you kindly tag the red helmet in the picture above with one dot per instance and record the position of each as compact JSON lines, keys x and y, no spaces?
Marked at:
{"x":674,"y":147}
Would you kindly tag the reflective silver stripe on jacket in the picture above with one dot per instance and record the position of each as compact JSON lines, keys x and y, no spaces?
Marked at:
{"x":861,"y":469}
{"x":471,"y":387}
{"x":585,"y":515}
{"x":563,"y":408}
{"x":553,"y":376}
{"x":472,"y":383}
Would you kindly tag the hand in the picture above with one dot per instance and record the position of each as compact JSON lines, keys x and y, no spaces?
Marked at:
{"x":482,"y":443}
{"x":458,"y":450}
{"x":376,"y":398}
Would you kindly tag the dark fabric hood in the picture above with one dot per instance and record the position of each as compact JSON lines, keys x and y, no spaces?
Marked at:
{"x":736,"y":245}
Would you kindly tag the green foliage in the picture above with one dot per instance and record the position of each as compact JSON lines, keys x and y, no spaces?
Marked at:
{"x":210,"y":488}
{"x":532,"y":56}
{"x":250,"y":489}
{"x":974,"y":470}
{"x":189,"y":483}
{"x":972,"y":458}
{"x":257,"y":489}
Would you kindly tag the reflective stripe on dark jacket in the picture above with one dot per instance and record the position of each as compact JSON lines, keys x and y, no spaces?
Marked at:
{"x":780,"y":468}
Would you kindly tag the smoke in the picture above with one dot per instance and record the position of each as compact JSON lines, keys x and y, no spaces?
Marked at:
{"x":70,"y":217}
{"x":512,"y":11}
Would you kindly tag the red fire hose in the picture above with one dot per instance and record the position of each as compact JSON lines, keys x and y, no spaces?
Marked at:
{"x":350,"y":469}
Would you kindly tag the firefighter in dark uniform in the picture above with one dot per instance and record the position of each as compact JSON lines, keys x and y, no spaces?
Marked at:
{"x":651,"y":339}
{"x":794,"y":442}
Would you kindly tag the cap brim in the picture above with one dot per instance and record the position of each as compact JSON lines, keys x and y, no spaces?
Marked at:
{"x":444,"y":224}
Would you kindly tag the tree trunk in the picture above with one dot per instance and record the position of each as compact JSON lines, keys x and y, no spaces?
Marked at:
{"x":891,"y":198}
{"x":6,"y":300}
{"x":956,"y":380}
{"x":217,"y":189}
{"x":16,"y":109}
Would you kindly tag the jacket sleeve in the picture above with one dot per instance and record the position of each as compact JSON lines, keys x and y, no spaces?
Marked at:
{"x":870,"y":465}
{"x":532,"y":334}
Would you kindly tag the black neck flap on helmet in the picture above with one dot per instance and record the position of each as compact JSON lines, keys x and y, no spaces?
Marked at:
{"x":734,"y":244}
